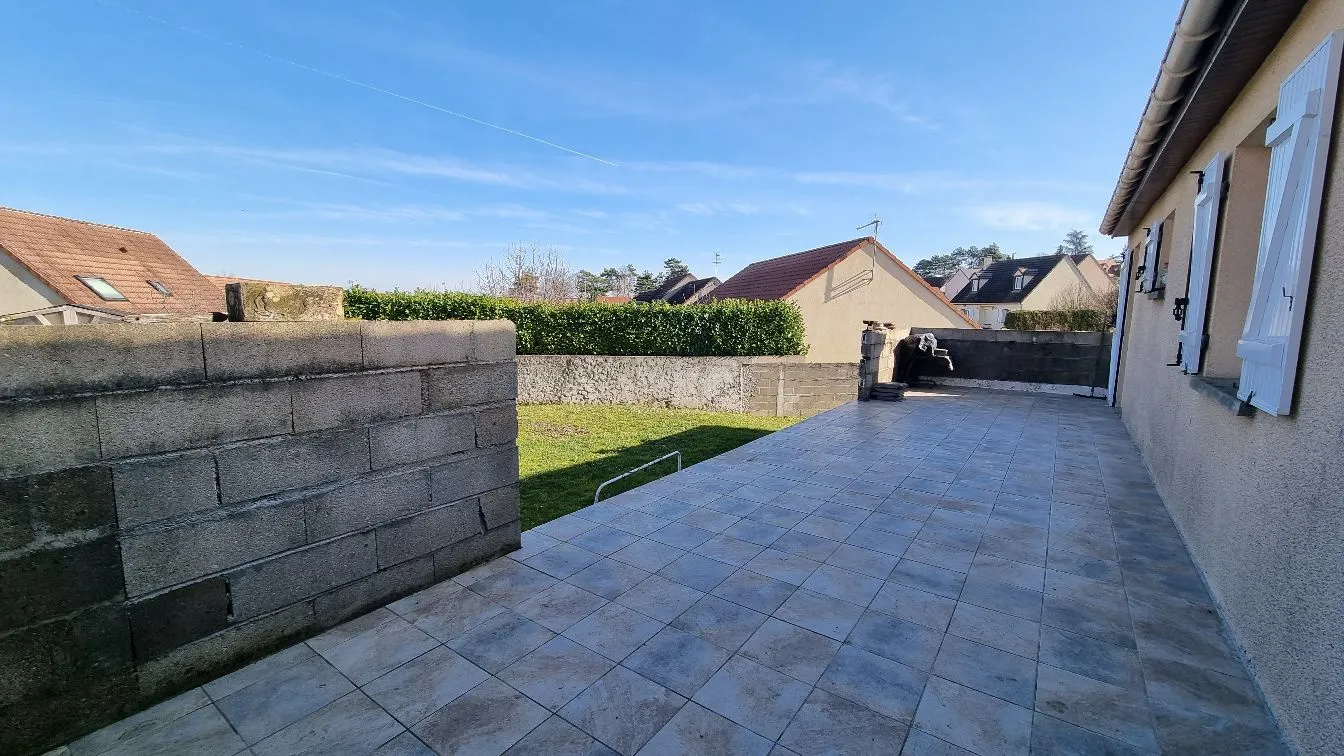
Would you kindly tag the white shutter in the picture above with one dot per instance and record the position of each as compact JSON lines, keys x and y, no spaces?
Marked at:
{"x":1117,"y":338}
{"x":1150,"y":248}
{"x":1299,"y":140}
{"x":1201,"y":263}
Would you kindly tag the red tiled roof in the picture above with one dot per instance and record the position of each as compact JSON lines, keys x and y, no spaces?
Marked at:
{"x":58,"y":249}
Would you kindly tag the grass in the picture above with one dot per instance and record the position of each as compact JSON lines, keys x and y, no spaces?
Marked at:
{"x":567,"y":450}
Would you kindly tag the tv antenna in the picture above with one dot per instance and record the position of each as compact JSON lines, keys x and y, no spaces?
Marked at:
{"x":876,"y":223}
{"x":717,"y":260}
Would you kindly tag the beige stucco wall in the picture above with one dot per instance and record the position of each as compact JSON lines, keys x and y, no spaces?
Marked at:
{"x":1063,"y":277}
{"x":1258,"y":499}
{"x":1091,"y":271}
{"x":20,"y":290}
{"x":835,"y":305}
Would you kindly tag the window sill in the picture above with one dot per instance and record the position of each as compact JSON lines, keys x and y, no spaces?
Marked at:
{"x":1223,"y":391}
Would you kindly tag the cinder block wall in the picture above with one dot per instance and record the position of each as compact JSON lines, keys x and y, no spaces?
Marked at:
{"x":176,"y":499}
{"x":1068,"y":358}
{"x":791,"y":389}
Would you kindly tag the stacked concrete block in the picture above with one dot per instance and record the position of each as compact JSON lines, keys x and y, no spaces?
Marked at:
{"x":794,"y":389}
{"x":176,"y":499}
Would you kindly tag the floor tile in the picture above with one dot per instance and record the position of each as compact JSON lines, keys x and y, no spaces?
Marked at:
{"x":405,"y":744}
{"x":829,"y":724}
{"x":271,"y":704}
{"x":1023,"y":575}
{"x":562,"y":560}
{"x":677,"y":660}
{"x":513,"y":584}
{"x":759,"y":533}
{"x":556,"y":736}
{"x":1054,"y":737}
{"x":344,"y":632}
{"x":614,"y":631}
{"x":921,"y":607}
{"x":623,"y":710}
{"x":659,"y":598}
{"x":1119,"y":713}
{"x":200,"y":731}
{"x":141,"y":726}
{"x":870,"y":562}
{"x":940,"y":555}
{"x":887,"y":687}
{"x":732,"y":505}
{"x":792,"y":650}
{"x":648,"y":555}
{"x":421,"y":686}
{"x":897,"y":639}
{"x":603,"y":540}
{"x":988,"y":670}
{"x":351,"y":724}
{"x":720,"y":622}
{"x":781,"y":565}
{"x":778,"y":516}
{"x":697,"y":730}
{"x":1001,"y":597}
{"x":1017,"y":551}
{"x":486,"y":720}
{"x":920,"y":743}
{"x":1081,"y":564}
{"x":1077,"y":588}
{"x":565,"y":528}
{"x":1002,"y":631}
{"x":449,"y":618}
{"x":727,"y":549}
{"x":560,"y":606}
{"x":806,"y":545}
{"x":844,"y":513}
{"x":972,"y":720}
{"x":1103,"y":623}
{"x":755,"y":591}
{"x":843,"y":584}
{"x":501,"y":641}
{"x":556,"y":672}
{"x":681,"y":535}
{"x":1090,"y":657}
{"x":753,"y":696}
{"x":257,"y":671}
{"x":708,"y":519}
{"x":836,"y":530}
{"x":608,"y":578}
{"x":698,"y":572}
{"x":639,"y":523}
{"x":1190,"y":703}
{"x":927,"y":578}
{"x":828,"y":616}
{"x":894,"y":524}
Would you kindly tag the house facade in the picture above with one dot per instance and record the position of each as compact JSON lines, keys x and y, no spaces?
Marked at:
{"x":1027,"y":283}
{"x":839,"y":286}
{"x":683,"y":289}
{"x":1230,"y":368}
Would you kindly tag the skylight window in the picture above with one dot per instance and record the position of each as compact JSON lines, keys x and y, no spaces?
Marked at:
{"x":102,"y":288}
{"x":159,"y":286}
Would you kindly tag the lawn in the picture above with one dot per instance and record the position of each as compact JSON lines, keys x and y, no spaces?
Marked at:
{"x":567,"y":450}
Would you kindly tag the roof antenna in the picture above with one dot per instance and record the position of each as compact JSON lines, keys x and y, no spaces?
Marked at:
{"x":876,"y":223}
{"x":717,"y":260}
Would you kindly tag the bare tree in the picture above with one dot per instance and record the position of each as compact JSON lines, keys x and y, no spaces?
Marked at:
{"x":1080,"y":296}
{"x":528,"y":273}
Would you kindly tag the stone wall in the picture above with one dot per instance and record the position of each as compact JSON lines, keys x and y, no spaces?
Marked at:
{"x":1049,"y":361}
{"x":760,"y":385}
{"x":176,"y":499}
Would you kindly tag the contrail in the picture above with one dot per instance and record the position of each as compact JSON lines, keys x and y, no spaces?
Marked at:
{"x":347,"y":80}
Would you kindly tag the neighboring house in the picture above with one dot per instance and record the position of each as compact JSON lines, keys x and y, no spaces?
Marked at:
{"x":950,"y":285}
{"x":60,"y":270}
{"x":1025,"y":283}
{"x":1232,"y":202}
{"x":683,"y":289}
{"x":839,"y":286}
{"x":603,"y":298}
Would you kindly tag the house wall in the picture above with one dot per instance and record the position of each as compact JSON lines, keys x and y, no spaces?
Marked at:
{"x":1093,"y":274}
{"x":20,"y":290}
{"x":835,"y":305}
{"x":176,"y":499}
{"x":1062,"y":278}
{"x":1258,"y":499}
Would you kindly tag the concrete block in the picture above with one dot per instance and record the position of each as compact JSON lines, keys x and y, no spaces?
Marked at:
{"x":497,"y":425}
{"x":355,"y":399}
{"x":27,"y":669}
{"x":469,"y":385}
{"x":499,"y":507}
{"x":159,"y":558}
{"x":38,"y":436}
{"x":175,"y":618}
{"x":273,"y":350}
{"x":494,"y":341}
{"x":462,"y":556}
{"x":41,"y":585}
{"x":378,"y":589}
{"x":248,"y":471}
{"x":149,"y":422}
{"x":268,"y":301}
{"x":408,"y":343}
{"x":50,"y":360}
{"x":160,"y":487}
{"x":424,"y":532}
{"x":419,"y":438}
{"x":218,"y":653}
{"x":475,"y":474}
{"x":77,"y":498}
{"x":366,"y":503}
{"x":297,"y":575}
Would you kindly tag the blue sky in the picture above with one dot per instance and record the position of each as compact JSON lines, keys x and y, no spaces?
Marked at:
{"x":751,"y":129}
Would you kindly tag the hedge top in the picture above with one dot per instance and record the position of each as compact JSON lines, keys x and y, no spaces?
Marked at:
{"x":730,"y":328}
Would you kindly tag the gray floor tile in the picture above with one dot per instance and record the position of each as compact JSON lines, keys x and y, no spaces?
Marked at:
{"x":681,"y":535}
{"x":639,"y":523}
{"x":1104,"y":623}
{"x":988,"y":670}
{"x":486,"y":720}
{"x":928,"y":578}
{"x":1001,"y":597}
{"x":698,"y":572}
{"x":1089,"y":591}
{"x":879,"y":541}
{"x":604,"y":540}
{"x":271,"y":704}
{"x":560,"y":606}
{"x":897,"y":639}
{"x":351,"y":724}
{"x":781,"y":565}
{"x":843,"y":584}
{"x":1002,"y":631}
{"x":608,"y":578}
{"x":753,"y":696}
{"x":677,"y":660}
{"x":759,"y":533}
{"x":912,"y":604}
{"x":826,"y":527}
{"x":727,"y":549}
{"x":829,"y":724}
{"x":778,"y":516}
{"x":977,"y":722}
{"x":1017,"y":551}
{"x":755,"y":591}
{"x":894,"y":524}
{"x":556,"y":672}
{"x":623,"y":710}
{"x":844,"y":513}
{"x":720,"y":622}
{"x":1189,"y":702}
{"x":200,"y":731}
{"x":697,"y":730}
{"x":562,"y":560}
{"x":829,"y":616}
{"x":887,"y":687}
{"x":792,"y":650}
{"x":405,"y":744}
{"x":1084,"y":655}
{"x":920,"y":743}
{"x":603,"y":512}
{"x":1081,"y":564}
{"x":877,"y":564}
{"x":513,"y":584}
{"x":1119,"y":713}
{"x":1053,"y":737}
{"x":501,"y":641}
{"x":1171,"y":629}
{"x":565,"y":528}
{"x":449,"y":618}
{"x":614,"y":631}
{"x":555,"y":736}
{"x":419,"y":687}
{"x":798,"y":502}
{"x":141,"y":725}
{"x":732,"y":505}
{"x":940,"y":555}
{"x":648,"y":555}
{"x":1023,"y":575}
{"x":659,"y":598}
{"x":257,"y":671}
{"x":708,"y":519}
{"x":756,"y":493}
{"x":344,"y":632}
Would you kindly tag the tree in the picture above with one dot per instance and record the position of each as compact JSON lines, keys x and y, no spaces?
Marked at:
{"x":646,"y":281}
{"x":591,"y":285}
{"x":674,"y":268}
{"x":1075,"y":243}
{"x":938,"y":265}
{"x":529,"y":274}
{"x":1080,"y":296}
{"x":961,"y":257}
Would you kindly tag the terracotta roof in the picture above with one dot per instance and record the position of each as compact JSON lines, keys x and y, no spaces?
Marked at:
{"x":611,"y":299}
{"x":997,"y":280}
{"x":56,"y":250}
{"x":222,"y":280}
{"x":779,"y":277}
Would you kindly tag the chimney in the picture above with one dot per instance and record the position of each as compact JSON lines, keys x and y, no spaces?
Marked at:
{"x":986,"y":261}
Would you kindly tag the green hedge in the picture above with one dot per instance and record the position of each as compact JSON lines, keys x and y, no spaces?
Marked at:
{"x":719,"y":329}
{"x":1057,"y":320}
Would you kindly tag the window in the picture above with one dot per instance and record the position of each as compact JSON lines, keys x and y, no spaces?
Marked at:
{"x":1021,"y":278}
{"x":976,"y":280}
{"x":102,"y":288}
{"x":158,"y":286}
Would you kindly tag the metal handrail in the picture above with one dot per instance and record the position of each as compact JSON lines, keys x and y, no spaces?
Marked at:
{"x":627,"y":474}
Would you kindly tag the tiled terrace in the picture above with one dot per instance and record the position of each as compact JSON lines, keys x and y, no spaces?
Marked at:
{"x":981,"y":571}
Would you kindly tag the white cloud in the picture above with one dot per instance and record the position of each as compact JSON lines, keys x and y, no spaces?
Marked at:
{"x":1030,"y":216}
